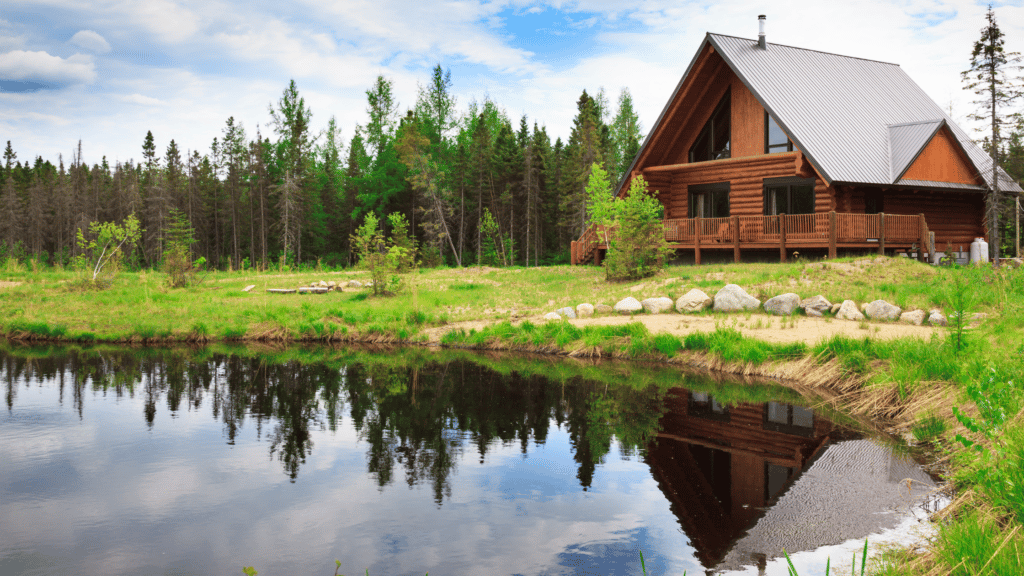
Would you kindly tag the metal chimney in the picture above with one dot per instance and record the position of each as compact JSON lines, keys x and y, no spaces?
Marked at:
{"x":760,"y":33}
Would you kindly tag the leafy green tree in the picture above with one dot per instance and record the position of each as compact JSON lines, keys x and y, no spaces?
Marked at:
{"x":994,"y":77}
{"x":632,"y":226}
{"x":104,"y":252}
{"x":379,"y":255}
{"x":177,"y":262}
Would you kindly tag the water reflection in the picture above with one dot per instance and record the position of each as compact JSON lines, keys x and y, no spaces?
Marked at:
{"x":527,"y":466}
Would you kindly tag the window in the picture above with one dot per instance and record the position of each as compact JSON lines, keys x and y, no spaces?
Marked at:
{"x":709,"y":200}
{"x":713,"y":141}
{"x":775,"y":140}
{"x":788,"y":196}
{"x":704,"y":405}
{"x":789,"y":419}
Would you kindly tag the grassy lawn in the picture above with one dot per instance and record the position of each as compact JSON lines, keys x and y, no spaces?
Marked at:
{"x":957,"y":396}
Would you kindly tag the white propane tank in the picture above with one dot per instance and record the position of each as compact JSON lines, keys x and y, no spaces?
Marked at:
{"x":976,"y":251}
{"x":983,"y":248}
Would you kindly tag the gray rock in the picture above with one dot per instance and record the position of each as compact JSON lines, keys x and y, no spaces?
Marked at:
{"x":814,"y":312}
{"x":323,"y":284}
{"x":332,"y":284}
{"x":248,"y":288}
{"x":819,"y":303}
{"x":693,"y":301}
{"x":835,"y":308}
{"x":657,"y":305}
{"x":848,"y":311}
{"x":935,"y":318}
{"x":355,"y":284}
{"x":628,"y":305}
{"x":603,"y":309}
{"x":783,"y":304}
{"x":552,"y":316}
{"x":882,"y":310}
{"x":732,"y":298}
{"x":915,"y":317}
{"x":568,"y":312}
{"x":585,"y":310}
{"x":977,"y":316}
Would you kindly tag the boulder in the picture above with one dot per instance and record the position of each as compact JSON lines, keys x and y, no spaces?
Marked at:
{"x":732,"y":298}
{"x":355,"y":284}
{"x":819,"y":303}
{"x":783,"y":304}
{"x":585,"y":310}
{"x":323,"y":284}
{"x":248,"y":288}
{"x":848,"y":311}
{"x":915,"y":317}
{"x":835,"y":308}
{"x":813,"y":312}
{"x":568,"y":312}
{"x":657,"y":305}
{"x":628,"y":305}
{"x":693,"y":301}
{"x":603,"y":309}
{"x":332,"y":284}
{"x":882,"y":310}
{"x":935,"y":318}
{"x":552,"y":316}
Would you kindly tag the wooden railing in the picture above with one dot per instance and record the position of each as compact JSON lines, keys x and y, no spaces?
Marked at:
{"x":823,"y":229}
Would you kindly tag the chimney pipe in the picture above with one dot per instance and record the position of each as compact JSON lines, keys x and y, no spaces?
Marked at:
{"x":760,"y":33}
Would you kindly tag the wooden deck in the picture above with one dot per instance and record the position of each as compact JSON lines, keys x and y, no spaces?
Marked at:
{"x":822,"y":230}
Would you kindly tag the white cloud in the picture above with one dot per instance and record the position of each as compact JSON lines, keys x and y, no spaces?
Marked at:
{"x":48,"y":118}
{"x":165,"y":19}
{"x":142,"y":100}
{"x":41,"y":67}
{"x":90,"y":41}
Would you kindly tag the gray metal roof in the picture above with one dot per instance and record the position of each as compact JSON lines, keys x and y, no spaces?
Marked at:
{"x":906,"y":142}
{"x":839,"y":110}
{"x":934,"y":184}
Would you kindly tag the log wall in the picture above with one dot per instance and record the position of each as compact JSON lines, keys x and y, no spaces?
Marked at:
{"x":954,"y":217}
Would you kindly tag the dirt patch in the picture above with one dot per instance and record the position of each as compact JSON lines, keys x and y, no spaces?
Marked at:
{"x":773,"y":329}
{"x":7,"y":284}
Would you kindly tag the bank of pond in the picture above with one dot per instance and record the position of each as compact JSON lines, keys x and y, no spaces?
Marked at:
{"x":404,"y":461}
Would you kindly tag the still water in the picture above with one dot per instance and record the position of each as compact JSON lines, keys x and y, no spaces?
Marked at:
{"x":117,"y":461}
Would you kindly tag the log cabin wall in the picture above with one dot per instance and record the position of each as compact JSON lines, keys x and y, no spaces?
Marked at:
{"x":954,"y":217}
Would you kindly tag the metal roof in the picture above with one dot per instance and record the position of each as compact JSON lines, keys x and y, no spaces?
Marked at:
{"x":934,"y":184}
{"x":906,"y":141}
{"x":840,"y":110}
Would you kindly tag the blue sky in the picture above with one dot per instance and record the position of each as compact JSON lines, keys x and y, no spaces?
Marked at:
{"x":106,"y":71}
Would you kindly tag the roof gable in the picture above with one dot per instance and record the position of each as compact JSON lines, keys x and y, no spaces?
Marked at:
{"x":906,"y":141}
{"x":942,"y":159}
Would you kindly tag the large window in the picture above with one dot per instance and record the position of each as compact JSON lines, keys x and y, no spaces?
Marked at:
{"x":709,"y":200}
{"x":775,"y":140}
{"x":788,"y":196}
{"x":713,"y":141}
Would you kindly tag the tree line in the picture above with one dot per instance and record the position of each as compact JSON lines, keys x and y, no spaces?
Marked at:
{"x":474,"y":185}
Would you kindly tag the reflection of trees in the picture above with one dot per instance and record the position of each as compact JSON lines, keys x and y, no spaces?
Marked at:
{"x":418,"y":419}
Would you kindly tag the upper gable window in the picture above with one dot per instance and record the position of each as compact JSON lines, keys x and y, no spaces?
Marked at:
{"x":713,"y":141}
{"x":775,"y":140}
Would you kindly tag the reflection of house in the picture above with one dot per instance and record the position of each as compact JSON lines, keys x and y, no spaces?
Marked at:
{"x":852,"y":152}
{"x":720,"y":467}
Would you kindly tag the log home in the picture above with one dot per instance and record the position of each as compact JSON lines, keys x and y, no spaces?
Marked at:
{"x":765,"y":147}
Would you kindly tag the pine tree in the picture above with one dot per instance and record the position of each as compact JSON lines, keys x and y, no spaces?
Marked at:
{"x":626,"y":135}
{"x":994,"y":77}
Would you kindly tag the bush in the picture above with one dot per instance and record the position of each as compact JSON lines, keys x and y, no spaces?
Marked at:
{"x":632,"y":227}
{"x":109,"y":244}
{"x":181,"y":270}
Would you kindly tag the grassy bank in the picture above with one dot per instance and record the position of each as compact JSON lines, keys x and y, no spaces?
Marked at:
{"x":956,"y":395}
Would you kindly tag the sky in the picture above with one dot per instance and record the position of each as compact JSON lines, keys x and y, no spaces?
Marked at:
{"x":107,"y":71}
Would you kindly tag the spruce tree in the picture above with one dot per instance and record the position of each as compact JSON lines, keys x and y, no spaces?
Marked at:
{"x":994,"y":77}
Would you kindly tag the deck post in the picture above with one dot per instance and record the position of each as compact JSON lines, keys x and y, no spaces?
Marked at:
{"x":931,"y":247}
{"x":572,"y":253}
{"x":782,"y":237}
{"x":922,"y":228}
{"x":735,"y":221}
{"x":881,"y":233}
{"x":832,"y":233}
{"x":696,"y":241}
{"x":597,"y":256}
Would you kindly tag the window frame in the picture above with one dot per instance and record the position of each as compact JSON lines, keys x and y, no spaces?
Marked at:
{"x":710,"y":190}
{"x":789,"y":183}
{"x":767,"y":134}
{"x":724,"y":106}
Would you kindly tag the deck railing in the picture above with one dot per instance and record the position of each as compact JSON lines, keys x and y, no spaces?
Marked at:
{"x":824,"y":230}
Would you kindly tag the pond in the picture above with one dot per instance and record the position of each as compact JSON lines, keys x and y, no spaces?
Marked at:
{"x":164,"y":461}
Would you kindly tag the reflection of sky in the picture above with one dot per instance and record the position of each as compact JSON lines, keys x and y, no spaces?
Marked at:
{"x":105,"y":494}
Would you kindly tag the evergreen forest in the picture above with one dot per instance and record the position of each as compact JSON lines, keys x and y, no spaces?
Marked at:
{"x":475,"y":186}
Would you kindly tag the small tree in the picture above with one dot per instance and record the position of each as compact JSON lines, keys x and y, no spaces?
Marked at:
{"x":402,"y":243}
{"x":179,"y":238}
{"x":379,"y":255}
{"x":632,"y":227}
{"x":102,"y":256}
